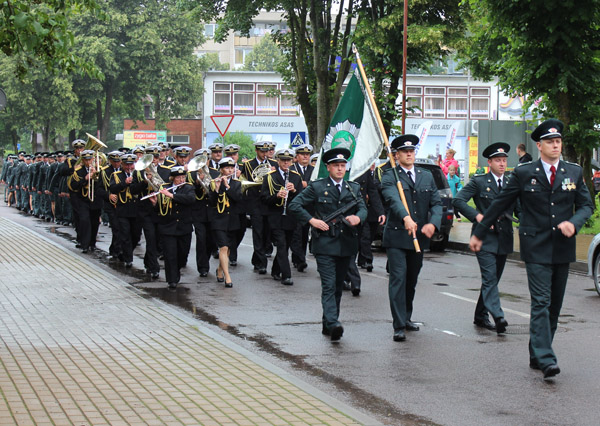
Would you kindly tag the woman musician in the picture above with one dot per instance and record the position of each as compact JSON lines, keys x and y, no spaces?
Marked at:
{"x":225,"y":197}
{"x":174,"y":203}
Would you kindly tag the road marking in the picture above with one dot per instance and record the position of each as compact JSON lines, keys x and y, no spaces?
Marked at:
{"x":451,"y":333}
{"x":512,"y":311}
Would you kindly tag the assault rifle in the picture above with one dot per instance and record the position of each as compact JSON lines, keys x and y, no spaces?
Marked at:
{"x":339,"y":216}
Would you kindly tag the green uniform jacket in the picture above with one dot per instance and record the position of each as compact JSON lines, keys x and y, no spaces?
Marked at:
{"x":423,"y":200}
{"x":322,"y":198}
{"x":483,"y":189}
{"x":542,"y":209}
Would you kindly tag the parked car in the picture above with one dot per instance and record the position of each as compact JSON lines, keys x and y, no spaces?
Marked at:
{"x":594,"y":261}
{"x":439,"y":241}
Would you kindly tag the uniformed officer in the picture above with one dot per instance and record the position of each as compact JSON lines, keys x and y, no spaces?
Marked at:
{"x":422,"y":219}
{"x":73,"y":200}
{"x":233,"y":151}
{"x":182,"y":155}
{"x":216,"y":154}
{"x":110,"y":202}
{"x":258,"y":211}
{"x":555,"y":204}
{"x":174,"y":204}
{"x":300,"y":237}
{"x":279,"y":188}
{"x":336,"y":241}
{"x":497,"y":244}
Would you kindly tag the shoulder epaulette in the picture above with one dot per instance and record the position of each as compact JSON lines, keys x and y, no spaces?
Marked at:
{"x":522,"y":164}
{"x":573,"y":164}
{"x":294,"y":171}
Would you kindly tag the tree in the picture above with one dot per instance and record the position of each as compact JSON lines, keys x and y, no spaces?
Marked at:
{"x":265,"y":56}
{"x":548,"y":50}
{"x":34,"y":31}
{"x":211,"y":62}
{"x":244,"y":140}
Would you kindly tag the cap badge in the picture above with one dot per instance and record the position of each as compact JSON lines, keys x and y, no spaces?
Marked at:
{"x":552,"y":130}
{"x":500,"y":149}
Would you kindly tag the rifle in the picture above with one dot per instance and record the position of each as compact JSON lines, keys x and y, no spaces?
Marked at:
{"x":339,"y":216}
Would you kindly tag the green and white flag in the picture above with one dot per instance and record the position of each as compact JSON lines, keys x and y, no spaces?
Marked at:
{"x":355,"y":127}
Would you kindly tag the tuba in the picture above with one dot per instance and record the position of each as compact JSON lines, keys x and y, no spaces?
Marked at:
{"x":146,"y":164}
{"x":200,"y":162}
{"x":94,"y":144}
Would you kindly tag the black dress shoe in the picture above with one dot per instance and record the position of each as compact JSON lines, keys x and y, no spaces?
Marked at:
{"x":77,"y":245}
{"x":411,"y":326}
{"x":534,"y":365}
{"x":325,"y":331}
{"x":347,"y":285}
{"x":551,"y":371}
{"x":500,"y":325}
{"x":204,"y":274}
{"x":220,"y":279}
{"x":336,"y":332}
{"x":128,"y":265}
{"x":172,"y":285}
{"x":484,"y":323}
{"x":233,"y":263}
{"x":287,"y":281}
{"x":301,"y":266}
{"x":229,"y":285}
{"x":262,"y":271}
{"x":276,"y":277}
{"x":355,"y":292}
{"x":155,"y":275}
{"x":85,"y":250}
{"x":399,"y":336}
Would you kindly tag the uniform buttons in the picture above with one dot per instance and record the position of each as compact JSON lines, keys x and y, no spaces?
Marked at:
{"x":553,"y":228}
{"x":553,"y":216}
{"x":551,"y":204}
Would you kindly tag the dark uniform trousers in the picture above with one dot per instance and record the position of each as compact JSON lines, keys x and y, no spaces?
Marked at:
{"x":88,"y":212}
{"x":300,"y":238}
{"x":497,"y":244}
{"x":201,"y":219}
{"x":148,"y":220}
{"x":332,"y":249}
{"x":544,"y":249}
{"x":404,"y":262}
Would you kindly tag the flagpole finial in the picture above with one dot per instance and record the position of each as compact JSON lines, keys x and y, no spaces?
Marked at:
{"x":354,"y":49}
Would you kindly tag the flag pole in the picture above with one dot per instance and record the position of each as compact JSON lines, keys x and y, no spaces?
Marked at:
{"x":385,"y":140}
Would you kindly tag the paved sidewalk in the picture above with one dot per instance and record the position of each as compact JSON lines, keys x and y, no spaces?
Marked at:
{"x":79,"y":346}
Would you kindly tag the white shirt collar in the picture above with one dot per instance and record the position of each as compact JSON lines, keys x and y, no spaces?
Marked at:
{"x":496,"y":177}
{"x":336,"y":183}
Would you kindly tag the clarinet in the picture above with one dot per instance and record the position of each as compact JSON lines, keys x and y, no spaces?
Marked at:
{"x":285,"y":200}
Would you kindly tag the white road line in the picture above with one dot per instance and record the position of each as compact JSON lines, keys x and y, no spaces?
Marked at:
{"x":512,"y":311}
{"x":451,"y":333}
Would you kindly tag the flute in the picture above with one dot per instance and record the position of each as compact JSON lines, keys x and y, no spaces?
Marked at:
{"x":158,"y":192}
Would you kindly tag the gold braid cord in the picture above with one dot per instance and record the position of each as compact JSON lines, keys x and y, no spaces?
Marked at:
{"x":273,"y":189}
{"x":191,"y":181}
{"x":222,"y":202}
{"x":164,"y":204}
{"x":127,"y":191}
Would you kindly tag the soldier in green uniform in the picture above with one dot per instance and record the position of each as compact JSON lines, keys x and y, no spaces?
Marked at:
{"x":424,"y":217}
{"x":336,"y":241}
{"x":555,"y":204}
{"x":497,"y":244}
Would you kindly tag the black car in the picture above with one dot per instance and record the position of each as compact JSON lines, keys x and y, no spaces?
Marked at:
{"x":439,"y":241}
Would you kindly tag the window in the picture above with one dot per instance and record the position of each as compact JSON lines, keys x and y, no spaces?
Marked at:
{"x":288,"y":104}
{"x":480,"y":107}
{"x":243,"y":103}
{"x":266,"y":105}
{"x":243,"y":87}
{"x":265,"y":87}
{"x":435,"y":107}
{"x":240,"y":55}
{"x":462,"y":91}
{"x":411,"y":90}
{"x":481,"y":91}
{"x":435,"y":90}
{"x":222,"y":86}
{"x":222,"y":103}
{"x":457,"y":107}
{"x":179,"y":139}
{"x":414,"y":107}
{"x":209,"y":30}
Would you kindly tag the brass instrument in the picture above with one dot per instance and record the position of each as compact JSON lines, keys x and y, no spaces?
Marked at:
{"x":146,"y":164}
{"x":94,"y":144}
{"x":200,"y":162}
{"x":260,"y":172}
{"x":192,"y":167}
{"x":287,"y":193}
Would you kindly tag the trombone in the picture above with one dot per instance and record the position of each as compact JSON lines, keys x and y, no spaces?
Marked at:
{"x":95,"y":144}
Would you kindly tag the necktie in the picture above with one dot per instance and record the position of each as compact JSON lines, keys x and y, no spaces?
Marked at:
{"x":409,"y":173}
{"x":339,"y":187}
{"x":552,"y":175}
{"x":499,"y":184}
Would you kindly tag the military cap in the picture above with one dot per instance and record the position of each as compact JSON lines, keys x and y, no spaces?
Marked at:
{"x":174,"y":146}
{"x":28,"y":156}
{"x":59,"y":153}
{"x":22,"y":152}
{"x":216,"y":147}
{"x":128,"y":158}
{"x":88,"y":154}
{"x":124,"y":150}
{"x":498,"y":149}
{"x":263,"y":145}
{"x":336,"y":155}
{"x":114,"y":156}
{"x":163,"y":146}
{"x":284,"y":154}
{"x":45,"y":154}
{"x":53,"y":156}
{"x":226,"y":161}
{"x":178,"y":171}
{"x":551,"y":128}
{"x":78,"y":143}
{"x":304,"y":149}
{"x":38,"y":155}
{"x":314,"y":157}
{"x":272,"y":145}
{"x":202,"y":151}
{"x":405,"y":142}
{"x":153,"y":149}
{"x":182,"y":151}
{"x":138,"y":149}
{"x":232,"y":149}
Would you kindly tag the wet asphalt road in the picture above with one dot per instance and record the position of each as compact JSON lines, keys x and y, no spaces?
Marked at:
{"x":448,"y":373}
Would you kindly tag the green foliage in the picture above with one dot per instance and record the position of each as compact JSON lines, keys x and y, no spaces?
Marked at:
{"x":244,"y":140}
{"x":211,"y":62}
{"x":265,"y":56}
{"x":38,"y":31}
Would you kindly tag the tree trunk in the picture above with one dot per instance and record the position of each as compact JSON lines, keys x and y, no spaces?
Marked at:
{"x":321,"y":68}
{"x":107,"y":109}
{"x":15,"y":140}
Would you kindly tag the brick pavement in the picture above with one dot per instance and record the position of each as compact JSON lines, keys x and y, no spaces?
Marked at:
{"x":79,"y":346}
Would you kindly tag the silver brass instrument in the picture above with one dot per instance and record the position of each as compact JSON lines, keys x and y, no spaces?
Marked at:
{"x":200,"y":162}
{"x":287,"y":193}
{"x":260,"y":172}
{"x":192,"y":167}
{"x":146,"y":164}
